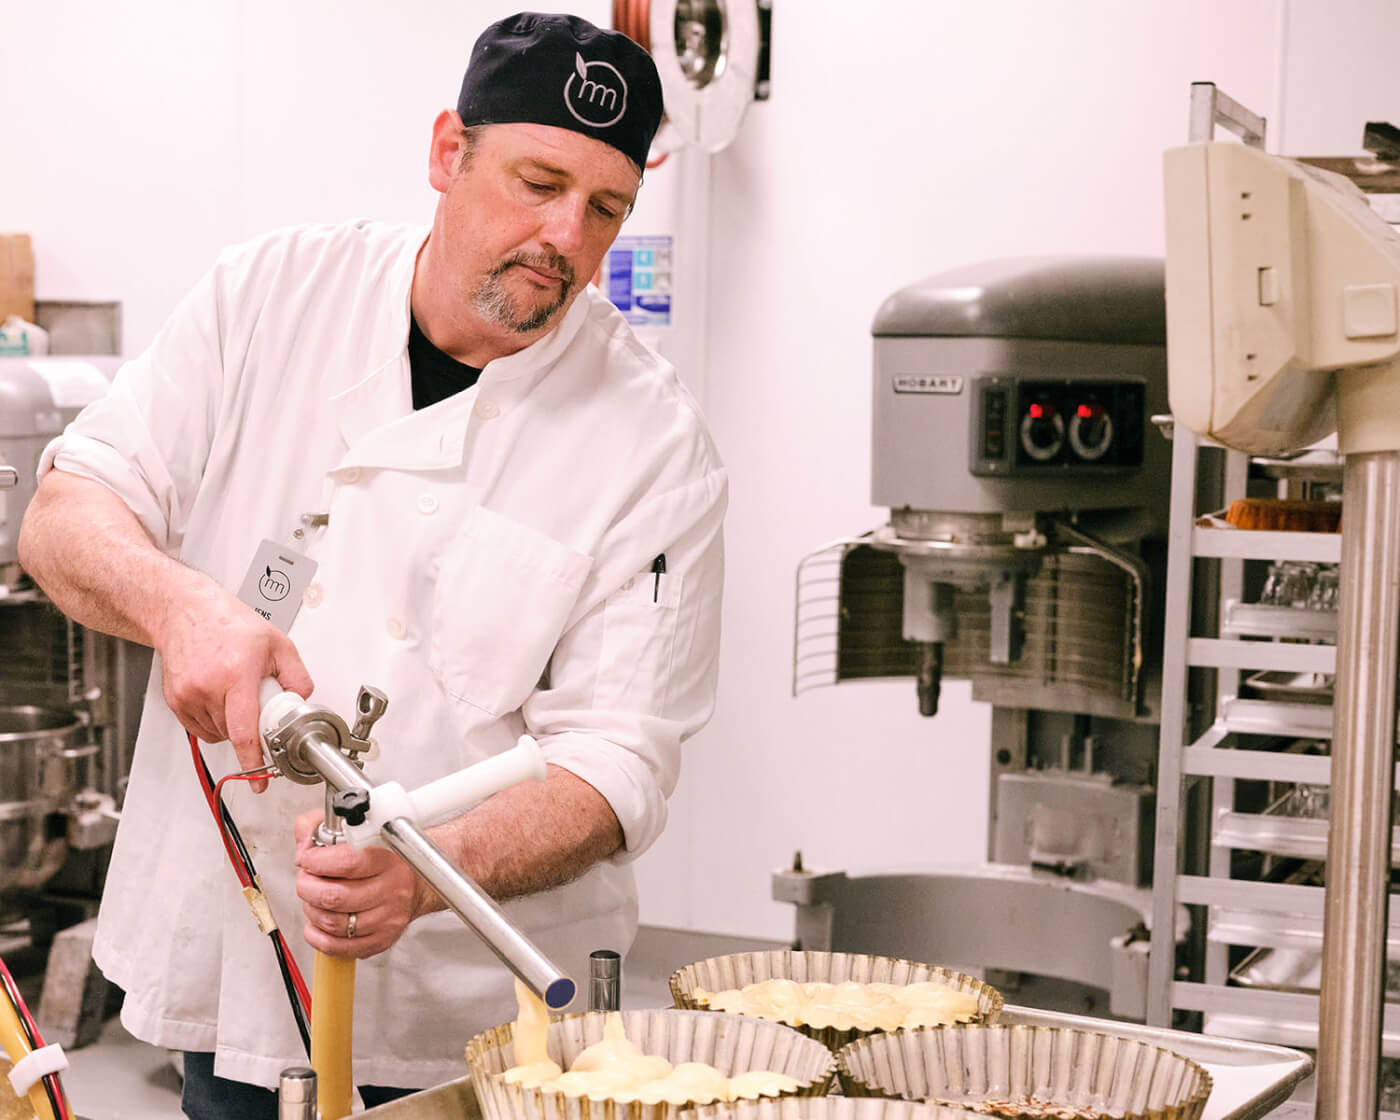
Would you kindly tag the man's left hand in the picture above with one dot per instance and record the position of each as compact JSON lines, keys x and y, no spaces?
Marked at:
{"x":373,"y":884}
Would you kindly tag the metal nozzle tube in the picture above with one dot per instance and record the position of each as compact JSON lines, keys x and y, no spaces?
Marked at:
{"x":467,"y":900}
{"x":296,"y":1094}
{"x":604,"y":980}
{"x":475,"y":907}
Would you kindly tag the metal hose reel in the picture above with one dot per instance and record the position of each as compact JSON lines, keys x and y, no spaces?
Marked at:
{"x":713,"y":59}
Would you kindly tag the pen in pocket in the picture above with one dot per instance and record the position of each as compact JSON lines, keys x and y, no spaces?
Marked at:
{"x":658,"y":568}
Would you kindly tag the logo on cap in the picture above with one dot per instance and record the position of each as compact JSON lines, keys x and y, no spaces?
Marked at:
{"x":595,"y":93}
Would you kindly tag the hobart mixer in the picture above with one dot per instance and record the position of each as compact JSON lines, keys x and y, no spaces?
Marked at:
{"x":69,"y":698}
{"x":1028,"y":495}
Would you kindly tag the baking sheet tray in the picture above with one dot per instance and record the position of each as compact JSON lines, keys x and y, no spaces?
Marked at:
{"x":1294,"y":688}
{"x":1251,"y":1079}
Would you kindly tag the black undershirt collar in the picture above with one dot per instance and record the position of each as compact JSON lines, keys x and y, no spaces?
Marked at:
{"x":435,"y":375}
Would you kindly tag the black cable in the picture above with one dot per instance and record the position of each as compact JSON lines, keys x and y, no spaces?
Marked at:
{"x":53,"y":1097}
{"x":248,"y":871}
{"x":299,"y":1013}
{"x":229,"y":826}
{"x":279,"y":946}
{"x":12,"y":994}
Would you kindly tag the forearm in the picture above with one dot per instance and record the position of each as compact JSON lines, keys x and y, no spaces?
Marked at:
{"x":92,"y":557}
{"x":528,"y":838}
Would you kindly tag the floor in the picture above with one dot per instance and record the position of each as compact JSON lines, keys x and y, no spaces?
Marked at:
{"x":119,"y":1078}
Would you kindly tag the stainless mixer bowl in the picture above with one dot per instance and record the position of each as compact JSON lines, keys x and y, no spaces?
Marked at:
{"x":40,"y":751}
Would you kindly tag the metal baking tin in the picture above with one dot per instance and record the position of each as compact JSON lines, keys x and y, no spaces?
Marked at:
{"x":738,"y":970}
{"x":1105,"y":1075}
{"x":733,"y":1044}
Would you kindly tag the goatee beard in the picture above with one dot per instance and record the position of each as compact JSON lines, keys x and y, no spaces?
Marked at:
{"x":495,"y":304}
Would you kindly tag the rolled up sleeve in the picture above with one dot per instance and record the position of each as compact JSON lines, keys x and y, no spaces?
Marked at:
{"x":148,"y":438}
{"x":635,"y":676}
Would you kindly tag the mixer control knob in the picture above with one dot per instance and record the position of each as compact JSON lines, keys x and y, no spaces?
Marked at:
{"x":351,"y":805}
{"x":1091,"y":431}
{"x":1042,"y":431}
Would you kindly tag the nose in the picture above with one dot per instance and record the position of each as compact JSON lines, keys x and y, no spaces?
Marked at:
{"x":564,"y":224}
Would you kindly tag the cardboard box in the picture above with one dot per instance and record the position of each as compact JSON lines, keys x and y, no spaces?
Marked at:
{"x":16,"y":276}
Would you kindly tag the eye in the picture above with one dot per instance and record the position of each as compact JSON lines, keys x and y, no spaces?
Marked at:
{"x":605,"y":212}
{"x":538,"y":188}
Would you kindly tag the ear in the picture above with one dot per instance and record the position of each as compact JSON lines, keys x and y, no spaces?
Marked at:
{"x":446,"y":150}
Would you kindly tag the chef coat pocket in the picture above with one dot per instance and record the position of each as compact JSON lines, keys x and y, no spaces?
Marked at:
{"x":504,"y":592}
{"x":639,"y":641}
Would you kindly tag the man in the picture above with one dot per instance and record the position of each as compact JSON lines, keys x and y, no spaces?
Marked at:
{"x":514,"y":510}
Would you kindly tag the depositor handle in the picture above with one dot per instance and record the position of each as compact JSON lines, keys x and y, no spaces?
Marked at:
{"x":458,"y":792}
{"x":449,"y":795}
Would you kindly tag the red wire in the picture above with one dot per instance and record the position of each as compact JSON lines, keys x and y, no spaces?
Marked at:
{"x":303,"y":992}
{"x":270,"y":772}
{"x":20,"y":1008}
{"x":201,"y":771}
{"x":213,"y":794}
{"x":31,"y":1028}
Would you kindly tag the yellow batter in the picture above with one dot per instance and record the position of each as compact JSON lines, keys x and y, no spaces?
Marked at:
{"x":848,"y":1006}
{"x":615,"y":1067}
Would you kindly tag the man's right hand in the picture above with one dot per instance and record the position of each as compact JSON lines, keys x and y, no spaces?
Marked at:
{"x":215,"y":652}
{"x":95,"y":560}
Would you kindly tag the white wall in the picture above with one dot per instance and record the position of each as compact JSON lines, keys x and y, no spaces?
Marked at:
{"x":903,"y":137}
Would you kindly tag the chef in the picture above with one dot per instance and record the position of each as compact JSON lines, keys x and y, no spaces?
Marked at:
{"x":513,"y":509}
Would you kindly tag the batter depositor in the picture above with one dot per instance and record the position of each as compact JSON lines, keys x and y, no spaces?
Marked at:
{"x":309,"y":743}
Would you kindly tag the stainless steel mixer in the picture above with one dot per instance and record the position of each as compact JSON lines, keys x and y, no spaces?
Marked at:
{"x":1027,"y":492}
{"x":69,"y":697}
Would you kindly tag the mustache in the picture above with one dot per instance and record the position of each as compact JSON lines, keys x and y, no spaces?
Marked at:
{"x":548,"y":262}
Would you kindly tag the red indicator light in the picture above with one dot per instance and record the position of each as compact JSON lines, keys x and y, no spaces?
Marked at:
{"x":1037,"y":412}
{"x":1086,"y":412}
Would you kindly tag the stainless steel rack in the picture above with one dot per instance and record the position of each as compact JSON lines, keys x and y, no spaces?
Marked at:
{"x":1214,"y":738}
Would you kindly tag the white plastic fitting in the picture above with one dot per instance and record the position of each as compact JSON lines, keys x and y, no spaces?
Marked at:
{"x":274,"y":704}
{"x":36,"y":1064}
{"x":450,"y":795}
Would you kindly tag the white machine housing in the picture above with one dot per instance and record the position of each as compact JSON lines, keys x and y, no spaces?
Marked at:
{"x":1278,"y":276}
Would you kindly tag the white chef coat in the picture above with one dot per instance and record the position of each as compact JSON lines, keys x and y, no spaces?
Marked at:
{"x":487,"y":563}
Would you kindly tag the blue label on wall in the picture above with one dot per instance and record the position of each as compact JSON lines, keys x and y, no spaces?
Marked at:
{"x":639,"y":279}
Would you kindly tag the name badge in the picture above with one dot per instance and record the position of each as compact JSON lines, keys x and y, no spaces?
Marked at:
{"x":275,"y":582}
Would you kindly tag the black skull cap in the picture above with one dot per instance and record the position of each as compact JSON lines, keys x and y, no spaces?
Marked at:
{"x":561,"y":70}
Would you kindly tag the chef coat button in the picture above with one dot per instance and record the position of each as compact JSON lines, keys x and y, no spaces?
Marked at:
{"x":487,"y":409}
{"x":427,"y":503}
{"x":352,"y":475}
{"x":396,"y":629}
{"x":313,"y":595}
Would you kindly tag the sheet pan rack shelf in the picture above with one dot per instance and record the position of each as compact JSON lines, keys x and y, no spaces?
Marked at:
{"x":1246,"y":721}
